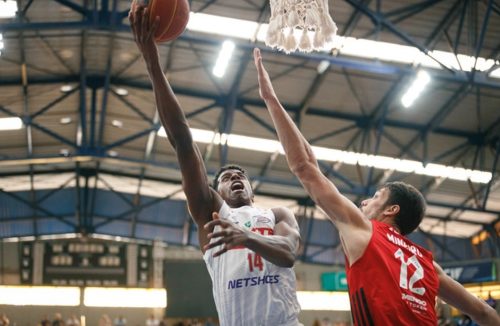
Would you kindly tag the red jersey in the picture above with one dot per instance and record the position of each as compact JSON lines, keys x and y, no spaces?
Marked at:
{"x":393,"y":283}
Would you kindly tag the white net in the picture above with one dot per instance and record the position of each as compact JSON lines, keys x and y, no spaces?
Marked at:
{"x":303,"y":25}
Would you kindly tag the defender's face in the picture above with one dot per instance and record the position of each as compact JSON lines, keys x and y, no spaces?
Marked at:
{"x":373,"y":207}
{"x":235,"y":188}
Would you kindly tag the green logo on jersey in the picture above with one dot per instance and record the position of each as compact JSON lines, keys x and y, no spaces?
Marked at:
{"x":248,"y":224}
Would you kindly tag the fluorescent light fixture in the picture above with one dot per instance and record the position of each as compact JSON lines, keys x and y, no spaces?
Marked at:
{"x":117,"y":123}
{"x":220,"y":25}
{"x":113,"y":153}
{"x":346,"y":157}
{"x":415,"y":89}
{"x":64,"y":152}
{"x":125,"y":297}
{"x":322,"y":66}
{"x":66,"y":88}
{"x":8,"y":8}
{"x":39,"y":296}
{"x":495,"y":73}
{"x":1,"y":43}
{"x":349,"y":46}
{"x":225,"y":54}
{"x":121,"y":91}
{"x":65,"y":120}
{"x":10,"y":123}
{"x":323,"y":300}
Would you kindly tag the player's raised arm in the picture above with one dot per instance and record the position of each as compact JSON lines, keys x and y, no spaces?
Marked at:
{"x":456,"y":295}
{"x":201,"y":199}
{"x":302,"y":161}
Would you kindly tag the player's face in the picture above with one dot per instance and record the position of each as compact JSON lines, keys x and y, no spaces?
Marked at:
{"x":374,"y":206}
{"x":235,"y":188}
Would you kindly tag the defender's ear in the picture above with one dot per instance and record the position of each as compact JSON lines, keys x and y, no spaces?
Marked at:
{"x":392,"y":210}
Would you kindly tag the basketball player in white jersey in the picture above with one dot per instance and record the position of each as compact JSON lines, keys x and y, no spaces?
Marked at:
{"x":249,"y":252}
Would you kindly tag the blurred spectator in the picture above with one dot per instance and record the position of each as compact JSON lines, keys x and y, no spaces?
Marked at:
{"x":73,"y":321}
{"x":443,"y":313}
{"x":4,"y":321}
{"x":105,"y":321}
{"x":120,"y":321}
{"x":58,"y":321}
{"x":466,"y":321}
{"x":326,"y":322}
{"x":152,"y":321}
{"x":316,"y":322}
{"x":491,"y":301}
{"x":45,"y":321}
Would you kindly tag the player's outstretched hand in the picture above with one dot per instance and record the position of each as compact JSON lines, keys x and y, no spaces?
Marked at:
{"x":229,"y":235}
{"x":142,"y":29}
{"x":266,"y":89}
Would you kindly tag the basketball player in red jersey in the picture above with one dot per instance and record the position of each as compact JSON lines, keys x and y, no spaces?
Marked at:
{"x":392,"y":281}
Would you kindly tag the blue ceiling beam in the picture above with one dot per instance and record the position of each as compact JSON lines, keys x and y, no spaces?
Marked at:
{"x":473,"y":136}
{"x":345,"y":62}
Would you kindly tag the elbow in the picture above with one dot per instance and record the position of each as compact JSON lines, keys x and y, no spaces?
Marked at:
{"x":302,"y":169}
{"x":486,"y":316}
{"x":288,"y":260}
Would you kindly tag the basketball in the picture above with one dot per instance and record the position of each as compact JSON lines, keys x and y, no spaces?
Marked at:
{"x":174,"y":16}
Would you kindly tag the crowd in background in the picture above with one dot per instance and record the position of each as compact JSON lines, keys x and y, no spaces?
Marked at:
{"x":443,"y":311}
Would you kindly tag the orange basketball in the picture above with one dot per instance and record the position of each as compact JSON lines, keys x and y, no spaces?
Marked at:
{"x":174,"y":16}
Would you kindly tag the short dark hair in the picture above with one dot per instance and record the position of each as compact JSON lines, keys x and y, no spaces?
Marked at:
{"x":215,"y":183}
{"x":411,"y":205}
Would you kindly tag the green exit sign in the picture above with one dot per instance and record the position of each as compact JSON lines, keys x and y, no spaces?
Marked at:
{"x":334,"y":281}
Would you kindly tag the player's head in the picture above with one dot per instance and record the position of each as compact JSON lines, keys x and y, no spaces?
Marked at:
{"x":398,"y":202}
{"x":233,"y":184}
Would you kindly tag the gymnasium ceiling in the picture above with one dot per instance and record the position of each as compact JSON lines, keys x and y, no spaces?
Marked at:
{"x":92,"y":139}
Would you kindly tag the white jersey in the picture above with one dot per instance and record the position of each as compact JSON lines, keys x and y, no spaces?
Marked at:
{"x":248,"y":290}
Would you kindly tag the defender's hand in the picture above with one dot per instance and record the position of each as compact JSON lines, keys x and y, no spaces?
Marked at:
{"x":266,"y":90}
{"x":230,"y":236}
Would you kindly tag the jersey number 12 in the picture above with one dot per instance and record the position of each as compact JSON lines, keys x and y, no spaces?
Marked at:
{"x":403,"y":274}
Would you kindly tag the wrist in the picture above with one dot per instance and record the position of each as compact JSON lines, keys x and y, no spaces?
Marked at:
{"x":250,"y":239}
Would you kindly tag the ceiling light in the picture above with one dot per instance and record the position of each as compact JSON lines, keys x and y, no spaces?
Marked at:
{"x":65,"y":120}
{"x":415,"y":89}
{"x":64,"y":152}
{"x":350,"y":46}
{"x":225,"y":54}
{"x":121,"y":91}
{"x":322,"y":66}
{"x":8,"y":8}
{"x":117,"y":123}
{"x":1,"y":43}
{"x":335,"y":155}
{"x":66,"y":88}
{"x":225,"y":26}
{"x":113,"y":153}
{"x":10,"y":123}
{"x":66,"y":54}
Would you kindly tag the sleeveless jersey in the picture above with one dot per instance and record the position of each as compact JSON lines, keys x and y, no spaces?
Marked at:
{"x":248,"y":290}
{"x":393,"y":283}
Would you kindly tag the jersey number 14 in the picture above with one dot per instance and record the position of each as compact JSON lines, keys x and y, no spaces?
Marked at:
{"x":255,"y":262}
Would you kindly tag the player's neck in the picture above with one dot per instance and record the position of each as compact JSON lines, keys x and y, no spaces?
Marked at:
{"x":238,"y":203}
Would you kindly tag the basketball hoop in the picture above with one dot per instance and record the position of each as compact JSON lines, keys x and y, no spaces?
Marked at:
{"x":305,"y":25}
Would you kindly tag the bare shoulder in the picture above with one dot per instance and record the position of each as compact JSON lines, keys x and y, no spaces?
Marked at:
{"x":283,"y":214}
